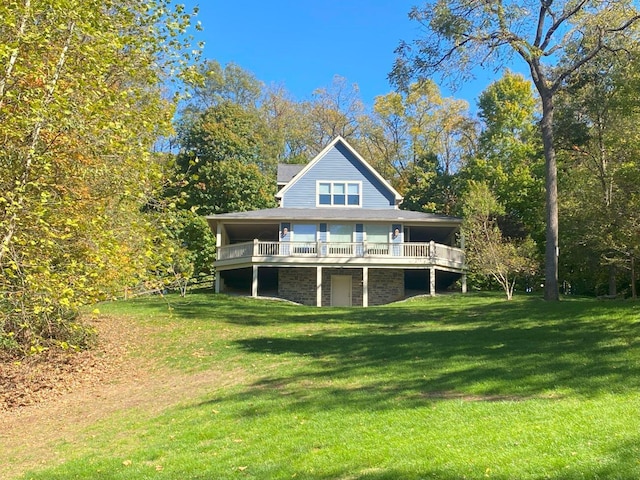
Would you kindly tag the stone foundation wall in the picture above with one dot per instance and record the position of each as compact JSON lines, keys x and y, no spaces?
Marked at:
{"x":385,"y":285}
{"x":297,"y":285}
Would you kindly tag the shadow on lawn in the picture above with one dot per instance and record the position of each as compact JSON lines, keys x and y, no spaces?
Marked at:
{"x":497,"y":351}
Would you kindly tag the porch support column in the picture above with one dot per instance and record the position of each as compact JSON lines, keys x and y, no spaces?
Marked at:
{"x":254,"y":282}
{"x":218,"y":245}
{"x":365,"y":286}
{"x":432,"y":281}
{"x":463,"y":280}
{"x":318,"y":286}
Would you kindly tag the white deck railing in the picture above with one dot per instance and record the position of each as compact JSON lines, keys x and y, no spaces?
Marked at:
{"x":435,"y":252}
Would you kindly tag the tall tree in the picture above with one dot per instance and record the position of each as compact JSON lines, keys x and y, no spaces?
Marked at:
{"x":597,"y":128}
{"x":418,"y":139}
{"x":463,"y":34}
{"x":509,"y":156}
{"x":80,"y":109}
{"x":223,"y":164}
{"x":334,"y":111}
{"x":290,"y":125}
{"x":213,"y":84}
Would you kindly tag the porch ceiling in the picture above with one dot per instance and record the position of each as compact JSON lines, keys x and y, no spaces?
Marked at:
{"x":264,"y":224}
{"x":246,"y":232}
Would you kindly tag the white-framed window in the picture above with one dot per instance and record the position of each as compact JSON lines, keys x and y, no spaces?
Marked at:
{"x":338,"y":194}
{"x":377,"y":233}
{"x":341,"y":232}
{"x":304,"y":232}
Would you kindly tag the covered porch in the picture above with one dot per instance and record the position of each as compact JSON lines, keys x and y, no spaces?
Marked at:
{"x":311,"y":255}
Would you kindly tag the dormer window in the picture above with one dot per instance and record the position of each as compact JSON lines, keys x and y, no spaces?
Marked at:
{"x":339,"y":194}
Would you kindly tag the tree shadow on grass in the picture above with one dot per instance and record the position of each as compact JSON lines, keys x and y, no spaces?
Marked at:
{"x":471,"y":347}
{"x":490,"y":353}
{"x":453,"y":309}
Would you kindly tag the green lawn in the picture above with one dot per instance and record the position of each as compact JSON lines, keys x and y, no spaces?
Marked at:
{"x":449,"y":388}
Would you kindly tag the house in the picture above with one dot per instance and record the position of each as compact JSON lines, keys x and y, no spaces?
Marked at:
{"x":337,"y":238}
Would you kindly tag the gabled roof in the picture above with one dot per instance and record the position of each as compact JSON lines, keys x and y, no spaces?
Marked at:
{"x":286,"y":172}
{"x":318,"y":158}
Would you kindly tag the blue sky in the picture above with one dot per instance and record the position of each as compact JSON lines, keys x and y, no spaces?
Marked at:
{"x":302,"y":44}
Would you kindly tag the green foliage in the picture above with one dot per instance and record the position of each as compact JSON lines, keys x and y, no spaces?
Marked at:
{"x":226,"y":186}
{"x":221,"y":132}
{"x":214,"y":85}
{"x":221,"y":165}
{"x":334,"y":111}
{"x":460,"y":35}
{"x":509,"y":157}
{"x":430,"y":190}
{"x":80,"y":109}
{"x":489,"y":253}
{"x":598,"y":130}
{"x":418,"y":140}
{"x":197,"y":242}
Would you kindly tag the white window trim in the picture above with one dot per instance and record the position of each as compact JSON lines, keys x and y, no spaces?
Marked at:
{"x":346,"y":186}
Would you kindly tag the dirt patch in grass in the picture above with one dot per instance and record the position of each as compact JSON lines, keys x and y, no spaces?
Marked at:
{"x":53,"y":399}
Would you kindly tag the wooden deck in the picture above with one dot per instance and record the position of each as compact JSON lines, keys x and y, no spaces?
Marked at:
{"x":405,"y":255}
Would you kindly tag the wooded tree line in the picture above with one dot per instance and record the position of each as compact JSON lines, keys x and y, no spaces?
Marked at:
{"x":92,"y":206}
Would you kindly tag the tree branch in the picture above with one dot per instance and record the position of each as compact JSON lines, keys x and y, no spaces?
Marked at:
{"x":14,"y":55}
{"x":563,"y":18}
{"x":544,"y":9}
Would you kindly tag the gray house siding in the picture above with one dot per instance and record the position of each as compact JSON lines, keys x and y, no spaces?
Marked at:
{"x":338,"y":164}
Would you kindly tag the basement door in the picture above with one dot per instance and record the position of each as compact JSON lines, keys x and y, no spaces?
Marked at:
{"x":340,"y":290}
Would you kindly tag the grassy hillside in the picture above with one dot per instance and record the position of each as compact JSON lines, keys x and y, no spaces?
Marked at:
{"x":453,"y":387}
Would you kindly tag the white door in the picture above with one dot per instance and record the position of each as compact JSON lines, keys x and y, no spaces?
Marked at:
{"x":341,"y":290}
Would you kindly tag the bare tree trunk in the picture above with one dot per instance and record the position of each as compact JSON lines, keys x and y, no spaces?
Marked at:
{"x":551,"y":291}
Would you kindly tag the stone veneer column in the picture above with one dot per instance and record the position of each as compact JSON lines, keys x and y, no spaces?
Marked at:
{"x":385,"y":285}
{"x":298,"y":284}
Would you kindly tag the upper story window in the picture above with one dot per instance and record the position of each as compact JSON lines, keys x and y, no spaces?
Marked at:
{"x":340,"y":194}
